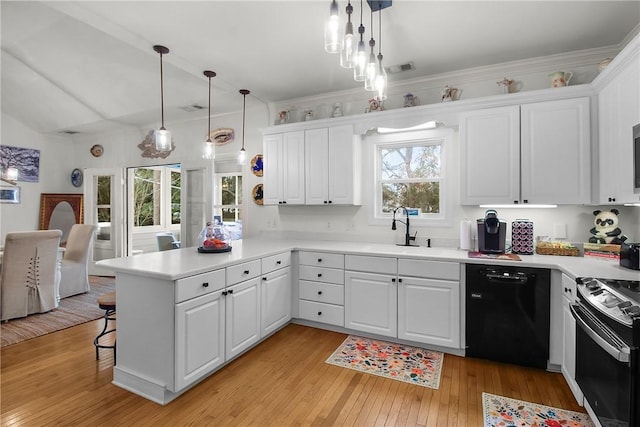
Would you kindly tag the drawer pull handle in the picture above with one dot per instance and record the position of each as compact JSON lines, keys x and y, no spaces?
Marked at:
{"x":319,"y":274}
{"x":319,"y":292}
{"x":246,"y":272}
{"x":264,"y":278}
{"x":205,"y":285}
{"x":278,"y":262}
{"x":319,"y":313}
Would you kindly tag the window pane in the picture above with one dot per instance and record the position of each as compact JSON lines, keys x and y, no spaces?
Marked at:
{"x":104,"y":190}
{"x":423,"y":195}
{"x":175,"y":197}
{"x":229,"y":190}
{"x":146,"y":197}
{"x":410,"y":162}
{"x":104,"y":214}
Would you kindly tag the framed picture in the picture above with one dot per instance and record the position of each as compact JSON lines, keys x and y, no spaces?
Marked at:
{"x":26,"y":160}
{"x":9,"y":194}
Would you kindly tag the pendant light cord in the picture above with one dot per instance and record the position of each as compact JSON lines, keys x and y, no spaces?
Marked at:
{"x":244,"y":106}
{"x":161,"y":92}
{"x":209,"y":124}
{"x":380,"y":30}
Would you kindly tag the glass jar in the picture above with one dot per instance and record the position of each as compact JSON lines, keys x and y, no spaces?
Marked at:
{"x":214,"y":237}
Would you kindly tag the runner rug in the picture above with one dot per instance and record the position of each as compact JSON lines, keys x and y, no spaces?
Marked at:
{"x":500,"y":411}
{"x":72,"y":311}
{"x":399,"y":362}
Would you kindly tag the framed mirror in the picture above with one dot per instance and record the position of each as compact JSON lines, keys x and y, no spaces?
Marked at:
{"x":59,"y":211}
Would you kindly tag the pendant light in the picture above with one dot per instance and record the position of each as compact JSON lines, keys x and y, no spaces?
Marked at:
{"x":162,"y":135}
{"x":381,"y":77}
{"x":372,"y":65}
{"x":208,"y":151}
{"x":348,"y":51}
{"x":332,"y":30}
{"x":242,"y":157}
{"x":359,"y":70}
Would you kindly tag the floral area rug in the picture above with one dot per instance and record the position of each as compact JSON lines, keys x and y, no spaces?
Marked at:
{"x":500,"y":411}
{"x":399,"y":362}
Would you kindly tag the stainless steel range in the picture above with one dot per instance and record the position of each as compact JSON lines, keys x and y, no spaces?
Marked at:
{"x":607,"y":314}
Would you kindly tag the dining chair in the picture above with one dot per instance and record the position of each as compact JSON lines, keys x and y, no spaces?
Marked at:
{"x":30,"y":277}
{"x":75,"y":264}
{"x":167,"y":241}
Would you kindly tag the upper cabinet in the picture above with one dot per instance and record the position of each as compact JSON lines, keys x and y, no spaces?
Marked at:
{"x":618,"y":111}
{"x":312,"y":167}
{"x":533,"y":153}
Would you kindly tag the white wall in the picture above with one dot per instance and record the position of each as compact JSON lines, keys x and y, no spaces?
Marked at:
{"x":57,"y":160}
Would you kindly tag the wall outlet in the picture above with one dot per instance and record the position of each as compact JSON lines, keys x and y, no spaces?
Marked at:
{"x":560,"y":231}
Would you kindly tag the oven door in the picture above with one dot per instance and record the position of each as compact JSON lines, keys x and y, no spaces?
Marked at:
{"x":603,"y":369}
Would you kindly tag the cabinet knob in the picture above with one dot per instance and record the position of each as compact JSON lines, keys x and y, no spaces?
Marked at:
{"x":319,"y":259}
{"x":525,"y":201}
{"x":205,"y":285}
{"x":319,"y":313}
{"x":515,"y":202}
{"x":319,"y":274}
{"x":230,"y":291}
{"x":399,"y":280}
{"x":224,"y":293}
{"x":325,"y":202}
{"x":264,"y":278}
{"x":319,"y":292}
{"x":284,"y":201}
{"x":330,"y":201}
{"x":279,"y":202}
{"x":393,"y":280}
{"x":246,"y":272}
{"x":278,"y":262}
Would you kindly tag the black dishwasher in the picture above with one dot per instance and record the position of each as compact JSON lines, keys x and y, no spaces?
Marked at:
{"x":507,"y":314}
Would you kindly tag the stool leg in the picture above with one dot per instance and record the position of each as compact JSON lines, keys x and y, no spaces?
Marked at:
{"x":107,"y":317}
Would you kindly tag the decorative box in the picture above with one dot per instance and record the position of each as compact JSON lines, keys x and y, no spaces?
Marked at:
{"x":522,"y":237}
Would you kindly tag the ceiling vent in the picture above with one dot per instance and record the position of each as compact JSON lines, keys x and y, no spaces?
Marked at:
{"x":192,"y":108}
{"x":69,"y":132}
{"x":395,"y":69}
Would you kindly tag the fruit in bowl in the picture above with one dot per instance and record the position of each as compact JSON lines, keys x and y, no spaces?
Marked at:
{"x":213,"y":243}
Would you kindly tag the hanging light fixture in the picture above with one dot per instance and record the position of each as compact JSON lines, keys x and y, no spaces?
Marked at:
{"x":162,"y":135}
{"x":208,"y":151}
{"x":372,"y":65}
{"x":242,"y":157}
{"x":332,"y":30}
{"x":348,"y":51}
{"x":381,"y":77}
{"x":359,"y":70}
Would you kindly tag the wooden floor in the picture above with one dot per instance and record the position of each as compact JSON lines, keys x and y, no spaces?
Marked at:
{"x":55,"y":380}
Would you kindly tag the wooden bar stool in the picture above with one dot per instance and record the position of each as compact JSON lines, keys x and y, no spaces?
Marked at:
{"x":107,"y":302}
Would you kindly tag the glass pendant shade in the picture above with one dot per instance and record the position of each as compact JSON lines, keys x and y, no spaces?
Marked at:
{"x":381,"y":81}
{"x":348,"y":52}
{"x":163,"y":139}
{"x":208,"y":150}
{"x":242,"y":157}
{"x":360,"y":68}
{"x":371,"y":74}
{"x":332,"y":30}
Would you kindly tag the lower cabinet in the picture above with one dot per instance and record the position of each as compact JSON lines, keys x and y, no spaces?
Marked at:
{"x":321,"y":287}
{"x":200,"y":336}
{"x":276,"y":300}
{"x":569,"y":338}
{"x":371,"y":303}
{"x":242,"y":316}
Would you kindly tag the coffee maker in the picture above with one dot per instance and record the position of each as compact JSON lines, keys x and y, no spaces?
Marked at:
{"x":491,"y":233}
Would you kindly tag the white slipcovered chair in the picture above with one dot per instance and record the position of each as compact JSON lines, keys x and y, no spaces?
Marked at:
{"x":30,"y":277}
{"x":75,"y":264}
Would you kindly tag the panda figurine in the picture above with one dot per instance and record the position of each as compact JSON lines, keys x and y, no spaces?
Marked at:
{"x":606,"y":228}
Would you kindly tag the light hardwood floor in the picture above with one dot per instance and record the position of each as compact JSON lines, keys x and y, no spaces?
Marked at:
{"x":55,"y":380}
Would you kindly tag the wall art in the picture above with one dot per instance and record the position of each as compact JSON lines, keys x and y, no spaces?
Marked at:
{"x":9,"y":194}
{"x":26,"y":160}
{"x":222,"y":135}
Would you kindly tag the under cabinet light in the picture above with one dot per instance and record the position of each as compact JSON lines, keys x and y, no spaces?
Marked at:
{"x":520,"y":206}
{"x":428,"y":125}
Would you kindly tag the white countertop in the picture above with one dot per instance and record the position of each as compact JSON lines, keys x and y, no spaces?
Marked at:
{"x":184,"y":262}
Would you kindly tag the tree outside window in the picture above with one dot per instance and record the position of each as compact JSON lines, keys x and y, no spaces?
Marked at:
{"x":156,"y":196}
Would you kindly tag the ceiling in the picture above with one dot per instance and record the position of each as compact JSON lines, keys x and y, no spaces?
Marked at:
{"x":89,"y":66}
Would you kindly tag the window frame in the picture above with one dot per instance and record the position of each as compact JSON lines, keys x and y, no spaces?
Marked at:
{"x":239,"y":206}
{"x":165,"y":183}
{"x":441,"y":136}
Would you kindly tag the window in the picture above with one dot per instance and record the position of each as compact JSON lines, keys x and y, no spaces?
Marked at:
{"x":228,"y":202}
{"x":410,"y":172}
{"x":156,"y":196}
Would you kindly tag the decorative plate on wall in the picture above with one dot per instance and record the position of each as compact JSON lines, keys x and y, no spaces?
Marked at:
{"x":257,"y":194}
{"x":222,"y":135}
{"x":76,"y":177}
{"x":97,"y":150}
{"x":256,"y":165}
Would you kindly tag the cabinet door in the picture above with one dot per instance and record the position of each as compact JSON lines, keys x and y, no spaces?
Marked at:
{"x":200,"y":333}
{"x":276,"y":300}
{"x":341,"y":166}
{"x":371,"y":303}
{"x":555,"y":152}
{"x":272,"y":171}
{"x":293,"y":167}
{"x":243,"y":316}
{"x":569,"y":350}
{"x":316,"y":162}
{"x":490,"y":156}
{"x":429,"y":311}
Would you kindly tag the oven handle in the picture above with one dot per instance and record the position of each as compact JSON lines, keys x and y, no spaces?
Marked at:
{"x":620,"y":354}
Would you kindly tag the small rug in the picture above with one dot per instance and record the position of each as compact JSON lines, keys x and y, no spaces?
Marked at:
{"x":500,"y":411}
{"x":71,"y":311}
{"x":399,"y":362}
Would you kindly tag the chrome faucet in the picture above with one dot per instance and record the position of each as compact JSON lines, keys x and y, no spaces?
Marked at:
{"x":407,"y":237}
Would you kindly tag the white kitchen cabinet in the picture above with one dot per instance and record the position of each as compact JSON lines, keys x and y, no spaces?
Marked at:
{"x":555,"y":152}
{"x":283,"y":157}
{"x":490,"y":156}
{"x":569,"y":337}
{"x":200,"y":337}
{"x":618,"y":112}
{"x":276,"y":300}
{"x":429,"y":305}
{"x":242,"y":316}
{"x":321,"y":287}
{"x":533,"y":153}
{"x":332,"y":173}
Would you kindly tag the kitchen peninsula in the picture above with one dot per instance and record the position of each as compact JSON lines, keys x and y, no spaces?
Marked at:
{"x":182,"y":314}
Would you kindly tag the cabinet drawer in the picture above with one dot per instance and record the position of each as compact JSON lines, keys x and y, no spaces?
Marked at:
{"x":322,"y":292}
{"x":433,"y":269}
{"x":200,"y":284}
{"x":322,"y":259}
{"x":568,"y":287}
{"x":241,"y":272}
{"x":322,"y":274}
{"x":274,"y":262}
{"x":320,"y":312}
{"x":371,"y":264}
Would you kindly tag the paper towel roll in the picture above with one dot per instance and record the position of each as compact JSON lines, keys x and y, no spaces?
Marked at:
{"x":465,"y":235}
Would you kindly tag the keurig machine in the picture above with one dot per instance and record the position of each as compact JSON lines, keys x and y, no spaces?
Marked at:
{"x":491,"y":233}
